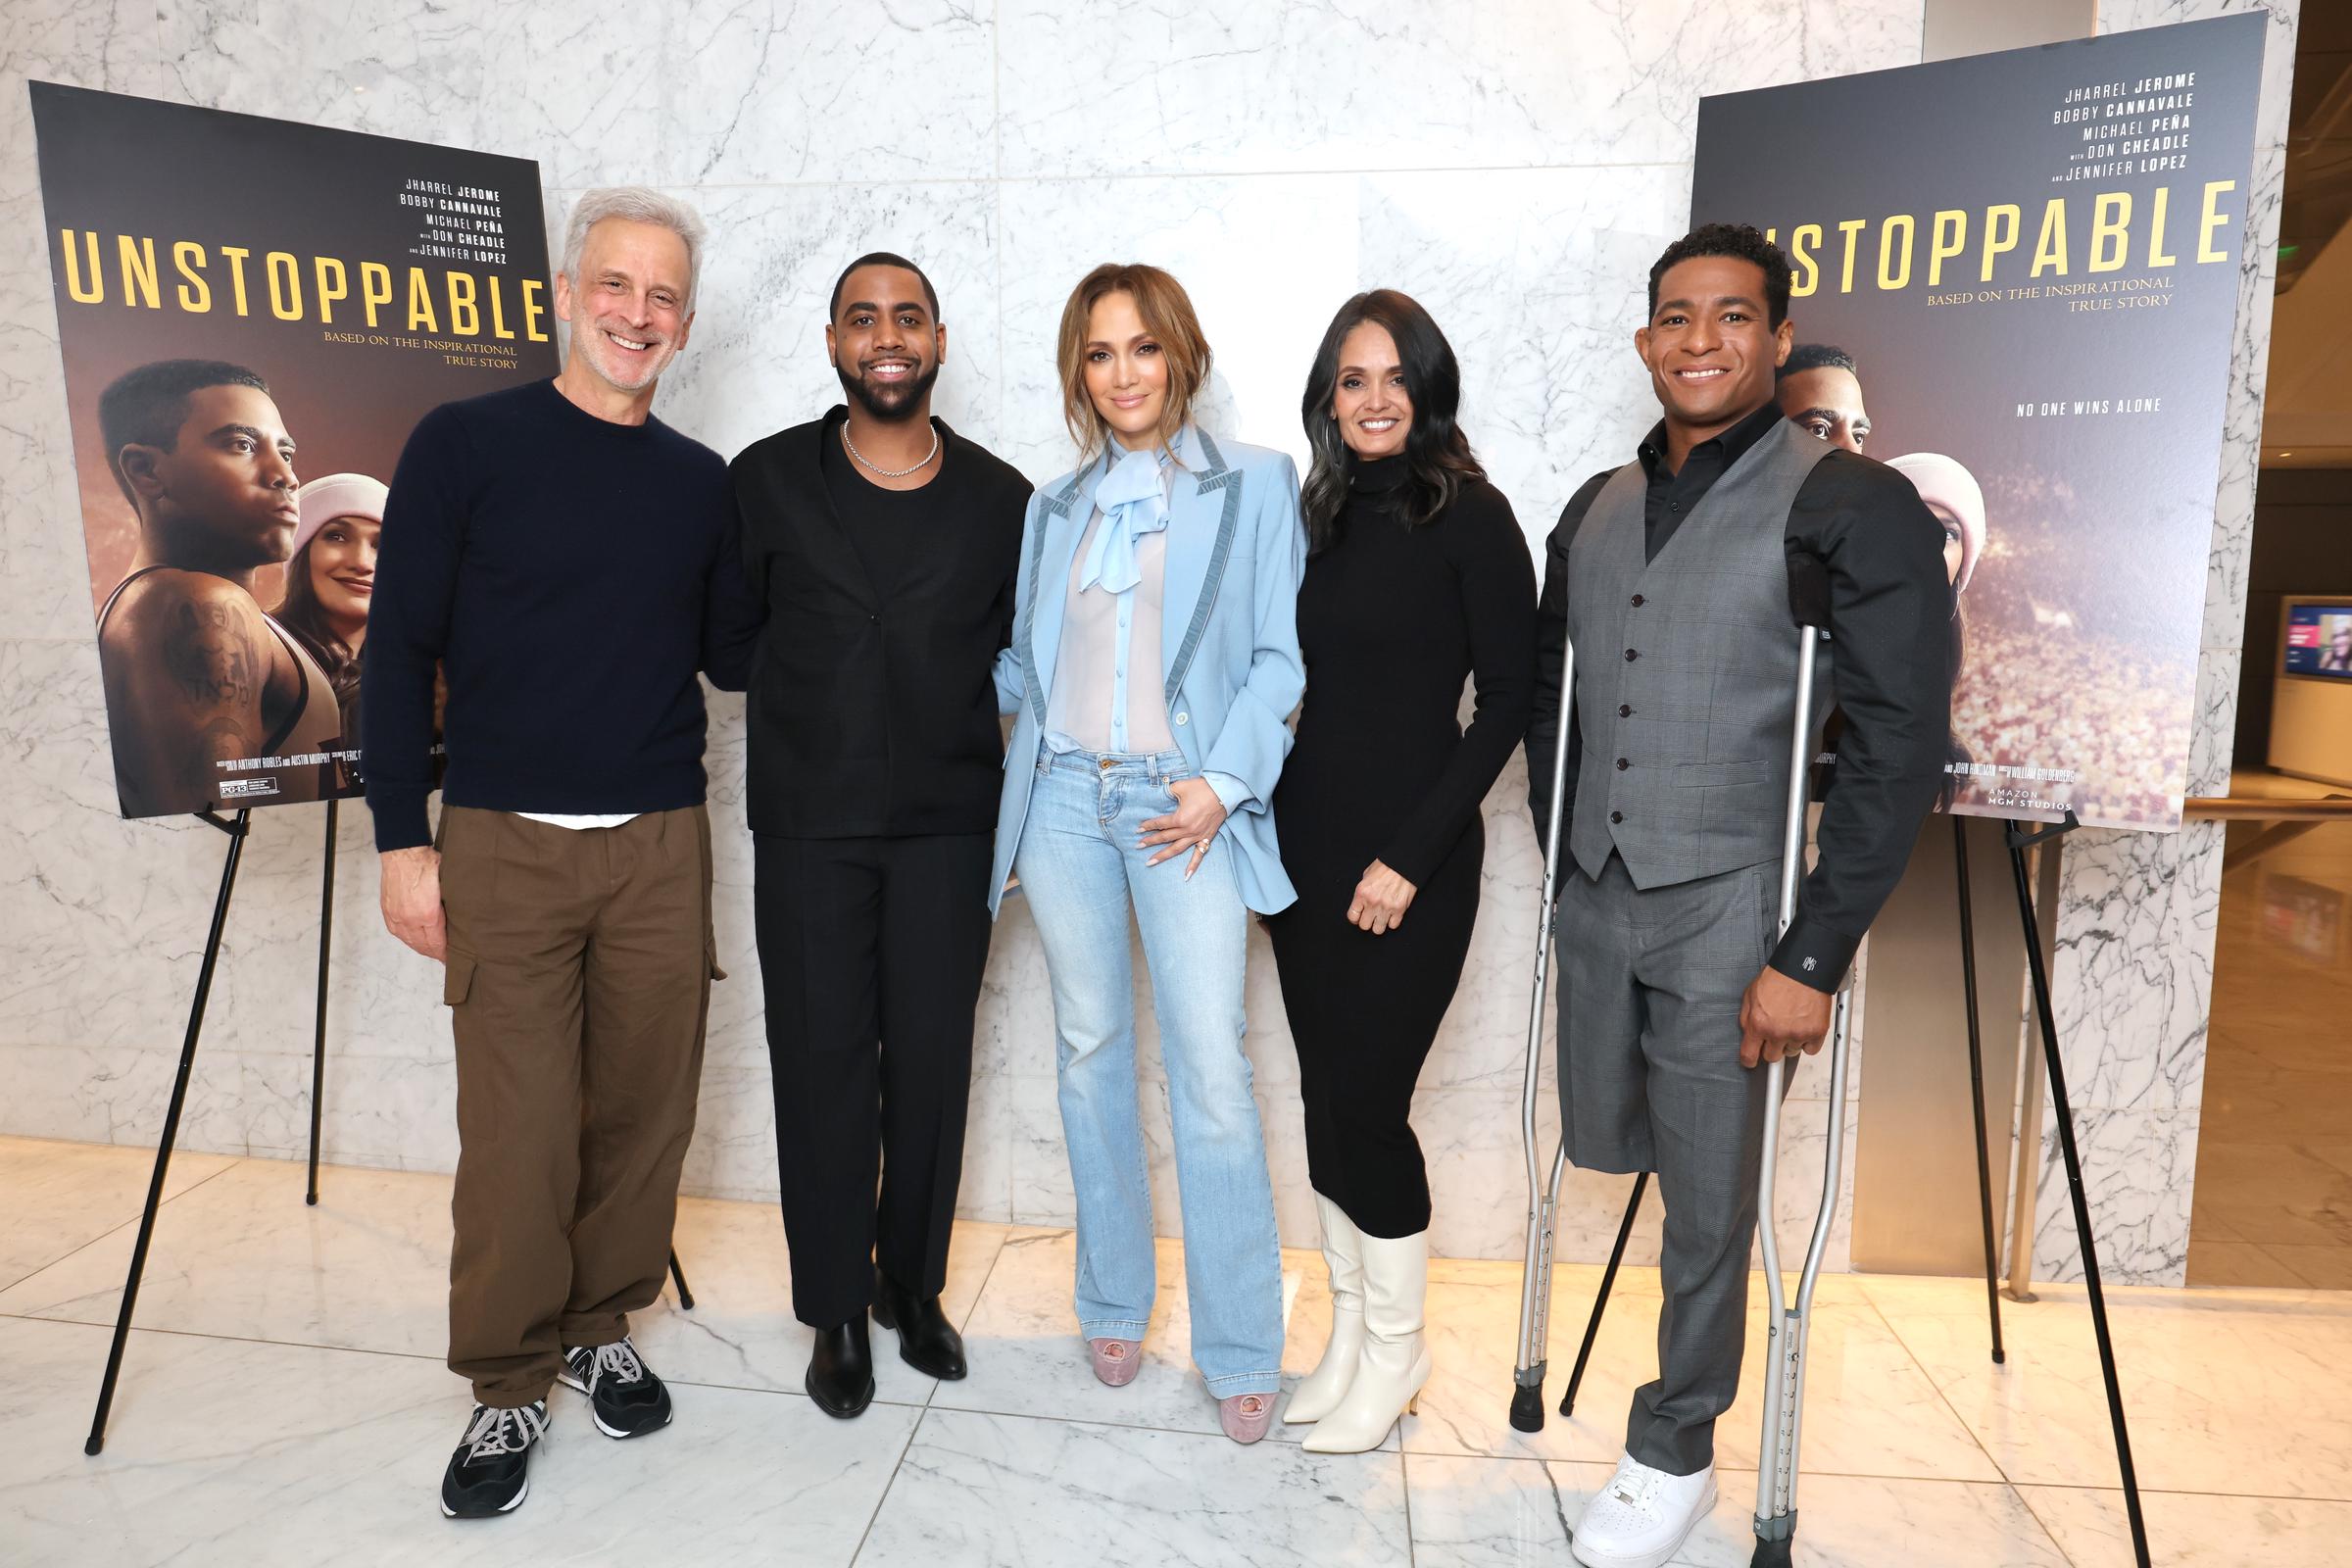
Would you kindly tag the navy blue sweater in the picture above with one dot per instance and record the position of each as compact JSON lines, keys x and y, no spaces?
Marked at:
{"x":569,"y":575}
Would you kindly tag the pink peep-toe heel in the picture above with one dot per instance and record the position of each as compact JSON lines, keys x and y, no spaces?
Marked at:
{"x":1116,"y":1361}
{"x":1242,"y":1423}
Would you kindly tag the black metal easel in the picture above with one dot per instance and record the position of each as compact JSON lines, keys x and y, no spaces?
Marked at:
{"x":327,"y":934}
{"x":1976,"y":1088}
{"x":2022,"y":837}
{"x":236,"y":828}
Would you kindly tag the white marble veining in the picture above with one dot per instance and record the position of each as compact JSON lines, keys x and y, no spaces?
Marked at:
{"x":1513,"y":164}
{"x":2136,"y":911}
{"x":284,"y":1403}
{"x":287,"y":1456}
{"x":1520,"y":1514}
{"x":1010,"y":1491}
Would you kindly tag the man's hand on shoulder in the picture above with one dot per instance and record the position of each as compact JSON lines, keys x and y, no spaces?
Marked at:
{"x":411,"y":899}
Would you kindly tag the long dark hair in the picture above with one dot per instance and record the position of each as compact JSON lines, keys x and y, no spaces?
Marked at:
{"x":301,"y":613}
{"x":1435,"y":451}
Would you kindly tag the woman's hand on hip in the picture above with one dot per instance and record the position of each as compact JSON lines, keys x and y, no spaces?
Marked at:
{"x":1190,"y":826}
{"x":1381,"y":899}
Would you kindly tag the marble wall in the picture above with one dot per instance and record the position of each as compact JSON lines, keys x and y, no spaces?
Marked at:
{"x":1515,"y":164}
{"x":2133,"y":980}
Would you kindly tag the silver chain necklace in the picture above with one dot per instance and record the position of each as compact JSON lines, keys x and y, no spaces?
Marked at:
{"x":890,"y":474}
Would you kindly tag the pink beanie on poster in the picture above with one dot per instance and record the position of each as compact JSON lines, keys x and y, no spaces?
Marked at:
{"x":1947,"y":487}
{"x":337,"y":495}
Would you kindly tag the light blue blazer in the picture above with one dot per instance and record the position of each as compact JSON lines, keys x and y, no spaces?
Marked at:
{"x":1229,"y":639}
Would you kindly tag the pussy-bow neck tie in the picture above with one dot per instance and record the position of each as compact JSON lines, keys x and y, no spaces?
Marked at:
{"x":1132,"y":505}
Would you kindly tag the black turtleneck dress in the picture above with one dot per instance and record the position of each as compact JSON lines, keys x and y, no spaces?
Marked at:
{"x":1391,"y":621}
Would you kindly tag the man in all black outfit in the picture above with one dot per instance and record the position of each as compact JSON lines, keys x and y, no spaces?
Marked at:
{"x":1670,"y":577}
{"x":886,"y":546}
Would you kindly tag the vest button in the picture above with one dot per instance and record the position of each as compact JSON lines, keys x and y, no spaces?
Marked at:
{"x":1637,"y":601}
{"x":1623,"y":764}
{"x":1184,"y":719}
{"x":1625,"y":710}
{"x":1616,"y":817}
{"x":1631,"y":656}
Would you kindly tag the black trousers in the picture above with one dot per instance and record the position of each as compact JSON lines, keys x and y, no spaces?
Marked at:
{"x":1364,"y":1012}
{"x":870,"y":955}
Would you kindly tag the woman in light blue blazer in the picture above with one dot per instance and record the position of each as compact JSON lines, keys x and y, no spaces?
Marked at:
{"x":1152,"y":666}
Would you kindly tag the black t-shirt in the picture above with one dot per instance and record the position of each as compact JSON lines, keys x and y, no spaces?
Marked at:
{"x":895,"y":532}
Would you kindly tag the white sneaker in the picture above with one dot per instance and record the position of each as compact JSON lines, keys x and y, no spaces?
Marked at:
{"x":1641,"y":1517}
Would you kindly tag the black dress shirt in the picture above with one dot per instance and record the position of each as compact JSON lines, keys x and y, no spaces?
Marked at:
{"x":1890,"y":605}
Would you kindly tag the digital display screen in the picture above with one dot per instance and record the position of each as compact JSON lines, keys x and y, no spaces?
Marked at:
{"x":2318,"y":641}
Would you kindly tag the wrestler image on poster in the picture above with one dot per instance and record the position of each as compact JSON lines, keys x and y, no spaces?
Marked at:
{"x":196,"y":673}
{"x":244,"y":358}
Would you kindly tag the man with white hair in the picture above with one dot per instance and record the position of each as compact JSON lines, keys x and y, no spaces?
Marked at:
{"x":564,"y":557}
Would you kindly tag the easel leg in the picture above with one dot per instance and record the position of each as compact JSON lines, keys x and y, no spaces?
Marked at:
{"x":2045,"y":1016}
{"x":326,"y":935}
{"x":180,"y":1098}
{"x":685,"y":1295}
{"x":1976,"y":1087}
{"x":1600,"y":1300}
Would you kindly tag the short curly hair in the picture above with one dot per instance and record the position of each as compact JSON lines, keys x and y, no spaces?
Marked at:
{"x":1816,"y":357}
{"x":1740,"y":240}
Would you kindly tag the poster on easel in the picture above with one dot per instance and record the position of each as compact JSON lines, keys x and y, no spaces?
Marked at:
{"x":253,"y":315}
{"x":2016,"y":281}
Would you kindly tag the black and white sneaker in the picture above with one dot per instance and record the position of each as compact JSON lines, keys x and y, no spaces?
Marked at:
{"x":490,"y":1472}
{"x":627,"y":1399}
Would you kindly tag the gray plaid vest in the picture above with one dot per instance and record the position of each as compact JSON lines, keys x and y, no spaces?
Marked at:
{"x":1685,"y":671}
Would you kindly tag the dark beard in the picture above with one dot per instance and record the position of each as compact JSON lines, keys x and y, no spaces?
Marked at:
{"x":891,"y":404}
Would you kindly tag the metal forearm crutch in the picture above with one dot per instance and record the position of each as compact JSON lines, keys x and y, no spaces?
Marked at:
{"x":1542,"y":1195}
{"x":1789,"y":1324}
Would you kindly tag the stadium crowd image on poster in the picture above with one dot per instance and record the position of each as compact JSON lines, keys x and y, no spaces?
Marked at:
{"x":253,"y":316}
{"x":2017,"y":280}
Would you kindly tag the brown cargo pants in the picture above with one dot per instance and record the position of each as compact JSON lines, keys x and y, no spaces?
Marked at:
{"x":579,"y":981}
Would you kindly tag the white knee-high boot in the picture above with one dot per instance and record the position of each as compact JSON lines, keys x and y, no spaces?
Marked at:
{"x":1342,"y":1250}
{"x":1394,"y":1363}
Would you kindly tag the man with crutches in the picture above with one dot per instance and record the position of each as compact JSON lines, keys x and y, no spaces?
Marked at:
{"x":1678,"y":988}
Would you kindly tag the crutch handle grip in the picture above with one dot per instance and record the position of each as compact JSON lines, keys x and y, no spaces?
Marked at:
{"x":1808,"y":589}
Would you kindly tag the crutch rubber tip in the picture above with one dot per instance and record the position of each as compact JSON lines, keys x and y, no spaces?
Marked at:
{"x":1773,"y":1553}
{"x":93,"y":1445}
{"x":2000,"y":1358}
{"x":1526,"y":1410}
{"x":1568,"y":1402}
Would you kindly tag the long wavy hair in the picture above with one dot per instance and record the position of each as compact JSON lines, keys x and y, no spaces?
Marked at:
{"x":1167,"y":315}
{"x":1437,"y":453}
{"x":301,"y":613}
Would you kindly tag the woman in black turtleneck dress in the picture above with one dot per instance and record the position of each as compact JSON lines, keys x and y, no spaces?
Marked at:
{"x":1417,"y":576}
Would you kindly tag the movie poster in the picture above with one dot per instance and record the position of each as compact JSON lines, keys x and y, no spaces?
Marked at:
{"x":253,"y":316}
{"x":2016,"y":281}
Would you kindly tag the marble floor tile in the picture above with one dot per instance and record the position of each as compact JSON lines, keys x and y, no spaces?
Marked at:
{"x":242,"y":1257}
{"x":62,"y":1197}
{"x":1869,"y":1409}
{"x":1027,"y":1359}
{"x":1472,"y":1513}
{"x":980,"y":1491}
{"x":2195,"y":1531}
{"x":2208,"y":1379}
{"x":269,"y":1454}
{"x":742,"y":1332}
{"x":372,"y":1262}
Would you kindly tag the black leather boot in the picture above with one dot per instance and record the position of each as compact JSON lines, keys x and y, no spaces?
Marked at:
{"x":927,"y":1340}
{"x":841,"y":1369}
